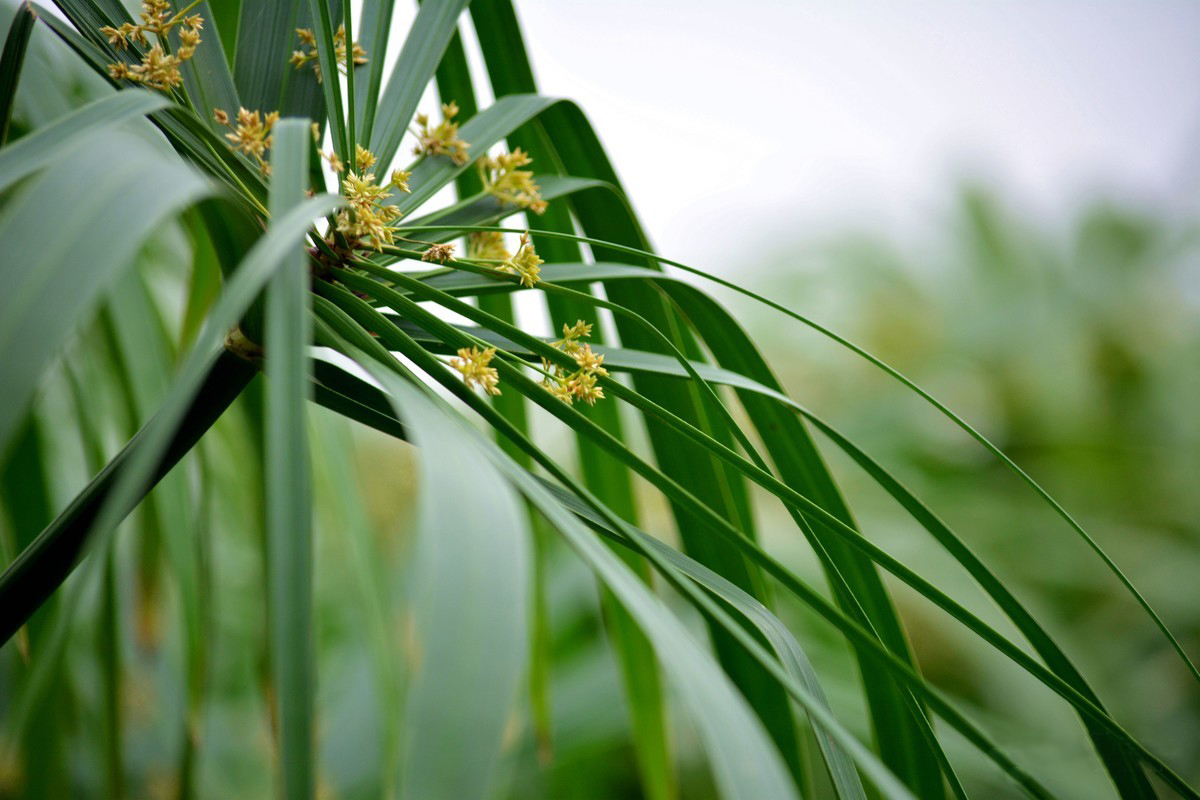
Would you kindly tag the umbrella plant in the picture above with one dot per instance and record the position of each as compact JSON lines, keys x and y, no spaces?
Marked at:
{"x":355,"y":247}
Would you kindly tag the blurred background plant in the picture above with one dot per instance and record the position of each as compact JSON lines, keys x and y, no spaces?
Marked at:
{"x":1072,"y":343}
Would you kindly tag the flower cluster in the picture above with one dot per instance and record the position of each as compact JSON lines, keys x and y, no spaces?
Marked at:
{"x":369,"y":215}
{"x":503,"y":179}
{"x":441,"y":139}
{"x":441,"y":253}
{"x":158,"y":69}
{"x":525,"y":263}
{"x":487,"y":245}
{"x":581,"y":383}
{"x":251,"y":134}
{"x":308,"y":51}
{"x":472,"y":363}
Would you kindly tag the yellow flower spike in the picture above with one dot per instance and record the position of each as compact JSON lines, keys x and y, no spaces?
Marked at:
{"x":159,"y":68}
{"x":188,"y":39}
{"x":590,"y":362}
{"x":559,"y":390}
{"x":489,"y":245}
{"x":154,"y":15}
{"x":251,"y":134}
{"x":583,"y":383}
{"x":578,"y":330}
{"x":441,"y":139}
{"x":525,"y":263}
{"x":472,"y":364}
{"x":440,"y":253}
{"x":131,"y":32}
{"x":309,"y":40}
{"x":503,"y":179}
{"x":335,"y":162}
{"x":115,"y":37}
{"x":363,"y":157}
{"x":316,"y":132}
{"x":369,"y":218}
{"x":583,"y":386}
{"x":400,"y":180}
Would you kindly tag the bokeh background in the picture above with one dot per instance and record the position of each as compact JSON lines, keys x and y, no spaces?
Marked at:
{"x":998,"y":199}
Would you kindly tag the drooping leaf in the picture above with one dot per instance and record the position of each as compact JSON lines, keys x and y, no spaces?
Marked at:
{"x":49,"y":144}
{"x":58,"y":264}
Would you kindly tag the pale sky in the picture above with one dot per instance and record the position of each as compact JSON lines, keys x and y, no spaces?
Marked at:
{"x":733,"y":120}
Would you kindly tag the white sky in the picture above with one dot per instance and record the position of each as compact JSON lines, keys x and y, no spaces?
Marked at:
{"x":735,"y":119}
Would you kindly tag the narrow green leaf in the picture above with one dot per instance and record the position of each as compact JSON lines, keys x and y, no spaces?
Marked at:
{"x":87,"y":16}
{"x":225,"y":17}
{"x":483,"y":209}
{"x":204,"y":283}
{"x":331,"y":86}
{"x":419,"y":58}
{"x":351,"y":119}
{"x":470,"y":598}
{"x":143,"y":360}
{"x":347,"y":523}
{"x":207,"y":78}
{"x":108,"y":646}
{"x":11,"y":62}
{"x":375,"y":24}
{"x":288,"y":477}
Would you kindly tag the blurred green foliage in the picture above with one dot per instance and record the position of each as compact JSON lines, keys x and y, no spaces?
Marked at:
{"x":1073,"y":342}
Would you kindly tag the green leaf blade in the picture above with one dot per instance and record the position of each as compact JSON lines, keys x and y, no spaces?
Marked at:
{"x":288,"y":476}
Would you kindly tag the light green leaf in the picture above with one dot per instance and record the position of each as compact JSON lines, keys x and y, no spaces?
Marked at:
{"x":46,"y":145}
{"x":58,"y":264}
